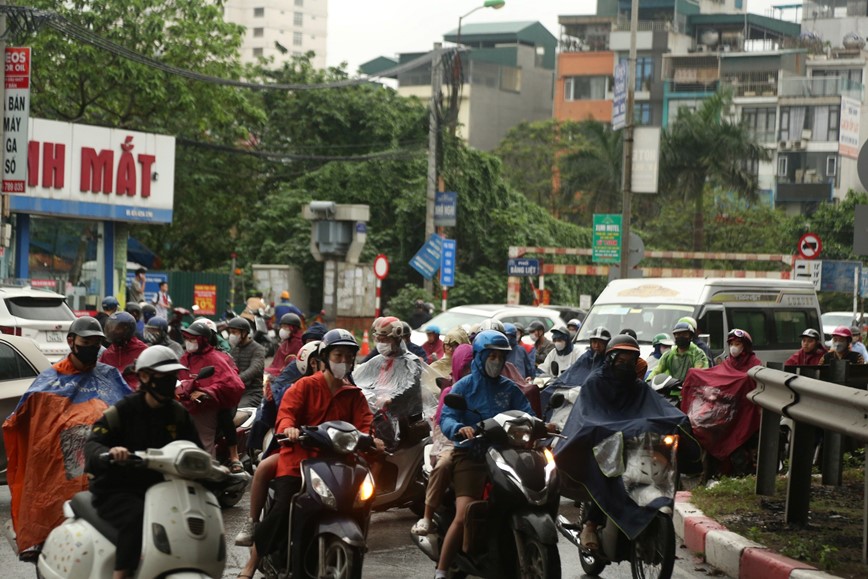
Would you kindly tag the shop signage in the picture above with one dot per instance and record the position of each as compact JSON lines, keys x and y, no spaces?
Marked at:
{"x":16,"y":112}
{"x":98,"y":173}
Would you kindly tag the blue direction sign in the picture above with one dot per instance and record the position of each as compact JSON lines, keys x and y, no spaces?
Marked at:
{"x":447,"y":263}
{"x":445,"y":209}
{"x":523,"y":267}
{"x":427,"y":259}
{"x":838,"y":276}
{"x":619,"y":100}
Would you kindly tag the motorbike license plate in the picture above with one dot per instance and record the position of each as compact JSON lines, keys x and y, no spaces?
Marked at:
{"x":55,"y":337}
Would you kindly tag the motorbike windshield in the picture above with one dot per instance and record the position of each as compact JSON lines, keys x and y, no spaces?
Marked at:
{"x":646,"y":465}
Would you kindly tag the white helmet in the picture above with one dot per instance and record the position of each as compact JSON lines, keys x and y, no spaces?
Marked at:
{"x":159,"y":359}
{"x":492,"y":324}
{"x":208,"y":322}
{"x":304,"y":355}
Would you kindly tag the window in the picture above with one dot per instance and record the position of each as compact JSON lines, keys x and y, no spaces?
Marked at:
{"x":760,"y":121}
{"x":819,"y":123}
{"x":754,"y":323}
{"x":298,"y":19}
{"x":831,"y":166}
{"x":258,"y":32}
{"x":642,"y":113}
{"x":851,"y":74}
{"x":782,"y":166}
{"x":711,"y":323}
{"x":258,"y":12}
{"x":42,"y":309}
{"x":789,"y":326}
{"x":585,"y":88}
{"x":296,"y":38}
{"x":12,"y":365}
{"x":257,"y":52}
{"x":644,"y":72}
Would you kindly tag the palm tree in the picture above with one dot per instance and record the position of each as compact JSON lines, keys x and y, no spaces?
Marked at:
{"x":704,"y":148}
{"x":594,"y":171}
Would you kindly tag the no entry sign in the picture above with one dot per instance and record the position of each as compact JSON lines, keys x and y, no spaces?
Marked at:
{"x":810,"y":246}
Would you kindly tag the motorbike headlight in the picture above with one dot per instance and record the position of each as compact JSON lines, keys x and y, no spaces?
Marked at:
{"x":321,"y":488}
{"x":193,"y":463}
{"x":550,"y":458}
{"x":670,"y":439}
{"x":366,"y":491}
{"x":342,"y":441}
{"x":518,"y":432}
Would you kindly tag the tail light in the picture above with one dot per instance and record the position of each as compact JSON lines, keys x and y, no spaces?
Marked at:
{"x":10,"y":331}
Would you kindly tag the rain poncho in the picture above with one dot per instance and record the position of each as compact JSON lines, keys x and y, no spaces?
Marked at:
{"x":45,"y":438}
{"x":123,"y":357}
{"x":574,"y":375}
{"x":604,"y":409}
{"x":520,"y":358}
{"x":461,"y":358}
{"x":802,"y":358}
{"x":565,"y":359}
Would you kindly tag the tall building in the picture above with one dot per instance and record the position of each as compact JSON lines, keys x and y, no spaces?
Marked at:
{"x":281,"y":29}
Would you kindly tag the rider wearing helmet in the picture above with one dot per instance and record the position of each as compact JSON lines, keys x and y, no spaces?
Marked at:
{"x":290,"y":334}
{"x":699,"y":343}
{"x":454,"y":338}
{"x":661,"y":343}
{"x":249,"y":358}
{"x":543,"y":346}
{"x":490,"y":393}
{"x":741,"y":356}
{"x":135,"y":310}
{"x":284,"y":306}
{"x":563,"y":353}
{"x":124,"y":348}
{"x":856,"y":345}
{"x":812,"y":351}
{"x":150,"y":418}
{"x":589,"y":361}
{"x":420,"y":315}
{"x":518,"y":356}
{"x":312,"y":400}
{"x":203,"y":398}
{"x":157,"y":334}
{"x":574,"y":325}
{"x":433,"y":345}
{"x":109,"y":306}
{"x":684,"y":356}
{"x":842,"y":338}
{"x":148,"y":312}
{"x":49,"y":425}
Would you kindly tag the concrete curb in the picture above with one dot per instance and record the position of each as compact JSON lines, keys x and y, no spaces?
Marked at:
{"x":731,"y":553}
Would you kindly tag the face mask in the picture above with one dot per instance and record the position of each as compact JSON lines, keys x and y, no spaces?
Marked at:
{"x":560,"y":345}
{"x":151,"y":338}
{"x":573,"y":334}
{"x":735,"y":351}
{"x":191,"y":346}
{"x":839,"y":346}
{"x":384,"y":348}
{"x":234,"y":339}
{"x":164,"y":387}
{"x":284,"y":334}
{"x":338,"y":370}
{"x":494,"y":367}
{"x":87,"y":355}
{"x":682,"y":342}
{"x":625,"y":372}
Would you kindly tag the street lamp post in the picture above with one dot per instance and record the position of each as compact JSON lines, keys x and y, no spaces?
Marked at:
{"x":496,"y":4}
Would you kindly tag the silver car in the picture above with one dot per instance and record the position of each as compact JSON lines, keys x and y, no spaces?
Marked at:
{"x":20,"y":362}
{"x":42,"y":316}
{"x":473,"y":314}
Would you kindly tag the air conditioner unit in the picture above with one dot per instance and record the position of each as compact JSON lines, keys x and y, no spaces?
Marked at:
{"x":797,"y":145}
{"x":807,"y":134}
{"x":783,"y":145}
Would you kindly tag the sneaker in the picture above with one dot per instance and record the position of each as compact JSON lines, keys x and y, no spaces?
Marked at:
{"x":422,"y":527}
{"x":245,"y":537}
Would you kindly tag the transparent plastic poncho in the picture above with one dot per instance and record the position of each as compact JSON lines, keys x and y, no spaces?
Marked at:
{"x":645,"y":463}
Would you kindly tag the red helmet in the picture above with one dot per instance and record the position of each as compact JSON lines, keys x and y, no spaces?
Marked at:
{"x":739,"y":334}
{"x":843,"y":332}
{"x":389,"y":326}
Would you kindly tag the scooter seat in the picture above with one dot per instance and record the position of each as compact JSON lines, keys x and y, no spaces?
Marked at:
{"x":82,"y":506}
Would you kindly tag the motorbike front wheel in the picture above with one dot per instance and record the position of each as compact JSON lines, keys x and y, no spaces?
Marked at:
{"x":541,"y":561}
{"x":653,"y":551}
{"x":340,"y":560}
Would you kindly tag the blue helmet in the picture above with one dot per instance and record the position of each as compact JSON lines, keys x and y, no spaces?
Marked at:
{"x":110,"y":302}
{"x":490,"y":340}
{"x":432,"y":329}
{"x":510,"y":330}
{"x":158,"y":323}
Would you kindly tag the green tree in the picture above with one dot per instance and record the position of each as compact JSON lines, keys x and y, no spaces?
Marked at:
{"x":592,"y":173}
{"x":706,"y":148}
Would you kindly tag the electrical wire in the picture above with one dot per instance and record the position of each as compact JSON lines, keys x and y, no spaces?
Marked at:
{"x":393,"y":154}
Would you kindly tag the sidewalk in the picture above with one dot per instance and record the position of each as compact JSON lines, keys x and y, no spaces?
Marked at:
{"x":732,"y":554}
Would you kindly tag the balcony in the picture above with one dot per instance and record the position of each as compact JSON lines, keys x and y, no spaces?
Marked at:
{"x":803,"y":192}
{"x":752,"y":84}
{"x":802,"y":87}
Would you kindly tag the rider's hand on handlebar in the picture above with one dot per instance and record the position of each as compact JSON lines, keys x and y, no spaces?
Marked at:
{"x":291,"y":434}
{"x":379,"y":445}
{"x":553,"y":428}
{"x":467,"y":432}
{"x":119,"y":453}
{"x":198,"y":396}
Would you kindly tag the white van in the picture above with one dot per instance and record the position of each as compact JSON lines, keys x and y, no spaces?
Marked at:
{"x":774,"y":312}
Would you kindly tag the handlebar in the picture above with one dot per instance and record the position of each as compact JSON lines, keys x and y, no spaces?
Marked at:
{"x":132,"y":460}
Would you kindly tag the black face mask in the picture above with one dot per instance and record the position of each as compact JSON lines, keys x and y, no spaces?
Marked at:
{"x":163,"y":388}
{"x":87,"y":355}
{"x":682,"y":342}
{"x":625,"y":372}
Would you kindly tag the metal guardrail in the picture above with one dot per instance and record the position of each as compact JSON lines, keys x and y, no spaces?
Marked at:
{"x":838,"y":409}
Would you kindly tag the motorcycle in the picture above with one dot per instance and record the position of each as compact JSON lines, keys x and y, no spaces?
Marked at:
{"x":511,"y":532}
{"x":244,"y":418}
{"x":401,"y":478}
{"x":329,"y":517}
{"x":667,"y":387}
{"x":647,"y":466}
{"x":186,"y":537}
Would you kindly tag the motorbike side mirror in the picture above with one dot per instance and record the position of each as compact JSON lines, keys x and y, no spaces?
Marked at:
{"x":455,"y":401}
{"x":557,"y":400}
{"x":443,"y":382}
{"x":205,"y":372}
{"x":555,"y":368}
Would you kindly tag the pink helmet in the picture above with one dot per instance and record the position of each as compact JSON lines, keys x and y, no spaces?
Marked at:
{"x":843,"y":332}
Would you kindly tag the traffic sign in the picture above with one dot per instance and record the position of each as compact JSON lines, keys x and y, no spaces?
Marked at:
{"x":619,"y":102}
{"x":445,"y":209}
{"x":381,"y":266}
{"x":809,"y":270}
{"x":427,"y":259}
{"x":606,"y":243}
{"x":839,"y":276}
{"x":810,"y":246}
{"x":447,"y":263}
{"x":523,"y":267}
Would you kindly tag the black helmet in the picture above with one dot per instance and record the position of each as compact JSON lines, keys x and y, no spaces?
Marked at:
{"x":85,"y":327}
{"x":133,"y":308}
{"x":239,"y":324}
{"x":535,"y":325}
{"x":560,"y":332}
{"x":811,"y":333}
{"x":621,"y":343}
{"x":600,"y":333}
{"x":121,"y":326}
{"x":199,"y":328}
{"x":629,"y":332}
{"x":335,"y":338}
{"x":290,"y":319}
{"x":315,"y":332}
{"x":149,"y":311}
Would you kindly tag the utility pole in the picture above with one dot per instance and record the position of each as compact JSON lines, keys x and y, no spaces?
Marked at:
{"x":627,"y":162}
{"x":433,"y":139}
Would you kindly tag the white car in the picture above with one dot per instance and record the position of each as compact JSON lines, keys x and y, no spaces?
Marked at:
{"x":473,"y":314}
{"x":832,"y":320}
{"x":20,"y":362}
{"x":42,"y":316}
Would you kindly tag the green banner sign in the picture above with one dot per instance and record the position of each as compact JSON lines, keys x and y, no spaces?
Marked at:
{"x":607,"y":238}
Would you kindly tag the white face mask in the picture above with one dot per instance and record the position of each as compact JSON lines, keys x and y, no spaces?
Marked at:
{"x":735,"y":351}
{"x":560,"y":345}
{"x":493,"y":368}
{"x":191,"y":346}
{"x":338,"y":370}
{"x":234,"y":339}
{"x":284,"y":334}
{"x":384,"y":348}
{"x":839,"y":346}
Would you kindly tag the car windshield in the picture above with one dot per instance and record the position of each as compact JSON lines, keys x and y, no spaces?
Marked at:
{"x":448,"y":320}
{"x":835,"y":320}
{"x":41,"y":309}
{"x":646,"y":319}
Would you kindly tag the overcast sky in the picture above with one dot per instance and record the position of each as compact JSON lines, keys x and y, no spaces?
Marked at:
{"x":360,"y":30}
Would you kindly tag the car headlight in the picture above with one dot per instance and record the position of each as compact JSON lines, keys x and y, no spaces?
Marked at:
{"x":343,"y":441}
{"x":321,"y":488}
{"x":366,"y":491}
{"x":518,"y":432}
{"x":193,"y":463}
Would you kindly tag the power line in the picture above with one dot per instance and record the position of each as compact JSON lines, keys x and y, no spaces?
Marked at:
{"x":32,"y":19}
{"x":394,"y":154}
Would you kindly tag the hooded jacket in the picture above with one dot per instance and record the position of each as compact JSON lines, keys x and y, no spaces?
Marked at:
{"x":224,"y":388}
{"x":121,"y":357}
